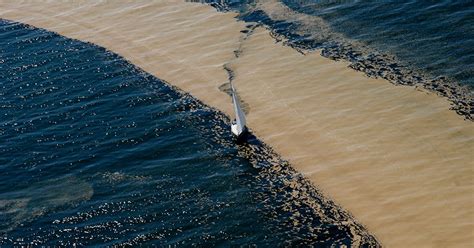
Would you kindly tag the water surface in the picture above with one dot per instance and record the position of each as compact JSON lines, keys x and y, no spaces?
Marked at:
{"x":95,"y":151}
{"x":428,"y":44}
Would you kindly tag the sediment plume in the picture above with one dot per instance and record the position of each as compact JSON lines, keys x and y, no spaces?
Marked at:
{"x":395,"y":157}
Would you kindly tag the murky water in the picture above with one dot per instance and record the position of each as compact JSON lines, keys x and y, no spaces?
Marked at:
{"x":427,"y":44}
{"x":370,"y":134}
{"x":95,"y":151}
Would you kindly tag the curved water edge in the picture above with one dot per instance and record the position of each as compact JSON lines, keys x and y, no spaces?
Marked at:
{"x":289,"y":24}
{"x":109,"y":154}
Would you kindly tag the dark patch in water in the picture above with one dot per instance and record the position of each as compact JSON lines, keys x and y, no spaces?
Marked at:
{"x":95,"y":151}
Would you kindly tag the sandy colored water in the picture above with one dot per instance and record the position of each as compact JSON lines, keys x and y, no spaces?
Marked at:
{"x":397,"y":158}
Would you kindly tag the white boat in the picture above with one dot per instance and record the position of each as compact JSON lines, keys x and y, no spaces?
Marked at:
{"x":238,"y":127}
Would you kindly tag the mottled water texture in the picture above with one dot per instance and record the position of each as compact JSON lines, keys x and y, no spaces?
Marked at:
{"x":95,"y":151}
{"x":421,"y":44}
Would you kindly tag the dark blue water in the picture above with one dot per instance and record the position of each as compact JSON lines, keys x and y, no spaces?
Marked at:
{"x":435,"y":36}
{"x":95,"y":151}
{"x":423,"y":43}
